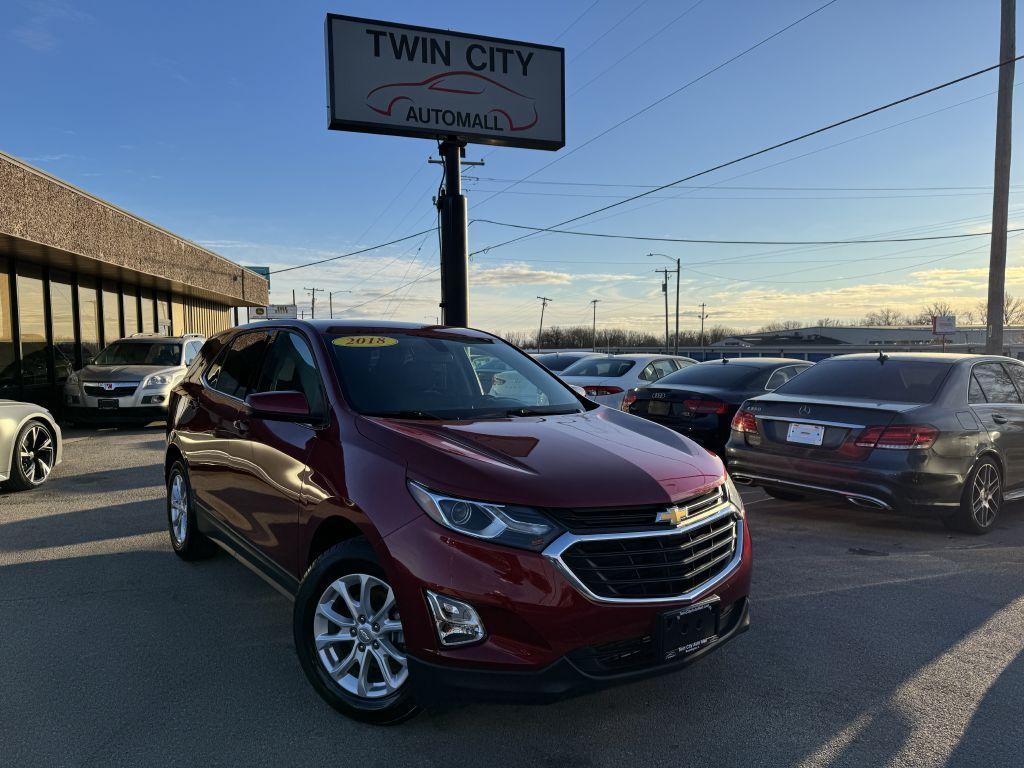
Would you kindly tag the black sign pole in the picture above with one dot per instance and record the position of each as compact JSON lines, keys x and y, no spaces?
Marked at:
{"x":454,"y":239}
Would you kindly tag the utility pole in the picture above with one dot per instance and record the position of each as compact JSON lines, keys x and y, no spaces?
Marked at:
{"x":664,"y":289}
{"x":593,"y":303}
{"x":678,"y":272}
{"x":1001,"y":181}
{"x":543,"y":303}
{"x":330,"y":301}
{"x":454,"y":237}
{"x":312,"y":306}
{"x":703,"y":317}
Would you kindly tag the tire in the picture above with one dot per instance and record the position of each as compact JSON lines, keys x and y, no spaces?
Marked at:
{"x":981,"y":502}
{"x":775,"y":493}
{"x":186,"y":540}
{"x":328,"y":627}
{"x":36,"y":440}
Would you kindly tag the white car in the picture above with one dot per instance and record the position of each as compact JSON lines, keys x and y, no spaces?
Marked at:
{"x":606,"y":379}
{"x":30,"y":445}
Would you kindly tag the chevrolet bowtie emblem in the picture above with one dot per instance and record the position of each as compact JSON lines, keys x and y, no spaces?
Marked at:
{"x":674,"y":515}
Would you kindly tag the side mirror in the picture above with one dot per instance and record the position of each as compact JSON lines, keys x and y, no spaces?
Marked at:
{"x":283,"y":406}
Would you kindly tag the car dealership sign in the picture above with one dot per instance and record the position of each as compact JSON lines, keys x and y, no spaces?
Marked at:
{"x":414,"y":81}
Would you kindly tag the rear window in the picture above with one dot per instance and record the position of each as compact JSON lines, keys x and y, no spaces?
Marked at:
{"x":714,"y":375}
{"x":601,"y":367}
{"x":898,"y":381}
{"x":556,"y":362}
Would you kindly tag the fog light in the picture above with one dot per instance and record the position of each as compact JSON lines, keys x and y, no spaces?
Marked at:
{"x":457,"y":622}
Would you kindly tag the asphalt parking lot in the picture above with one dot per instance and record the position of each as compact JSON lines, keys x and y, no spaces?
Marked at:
{"x":876,"y":641}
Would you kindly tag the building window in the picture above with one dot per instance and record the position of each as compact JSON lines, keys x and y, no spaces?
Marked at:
{"x":131,"y":311}
{"x":62,"y":319}
{"x":32,"y":323}
{"x":88,"y":319}
{"x":148,"y":311}
{"x":111,"y":313}
{"x":163,"y":315}
{"x":8,"y":370}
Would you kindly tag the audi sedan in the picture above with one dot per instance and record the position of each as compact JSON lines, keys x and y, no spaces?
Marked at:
{"x":938,"y":435}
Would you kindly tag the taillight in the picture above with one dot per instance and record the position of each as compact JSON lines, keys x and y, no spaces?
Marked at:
{"x":628,"y":399}
{"x":704,"y":406}
{"x":744,"y":421}
{"x":593,"y":390}
{"x":902,"y":437}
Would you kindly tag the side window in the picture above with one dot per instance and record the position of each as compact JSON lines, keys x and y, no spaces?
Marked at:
{"x":1017,"y":373}
{"x":974,"y":394}
{"x":191,"y":351}
{"x":648,"y":373}
{"x":663,"y":368}
{"x":231,"y":374}
{"x":779,"y":377}
{"x":995,"y":383}
{"x":289,"y":367}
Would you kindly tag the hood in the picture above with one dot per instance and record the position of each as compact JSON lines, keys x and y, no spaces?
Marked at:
{"x":123,"y":372}
{"x":601,"y":458}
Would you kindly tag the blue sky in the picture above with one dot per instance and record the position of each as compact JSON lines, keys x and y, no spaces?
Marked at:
{"x":209,"y":119}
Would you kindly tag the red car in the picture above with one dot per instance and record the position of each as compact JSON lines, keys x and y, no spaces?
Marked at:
{"x":442,"y":543}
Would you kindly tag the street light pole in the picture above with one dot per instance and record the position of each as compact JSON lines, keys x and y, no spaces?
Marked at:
{"x":543,"y":304}
{"x":664,"y":290}
{"x":593,"y":303}
{"x":330,"y":302}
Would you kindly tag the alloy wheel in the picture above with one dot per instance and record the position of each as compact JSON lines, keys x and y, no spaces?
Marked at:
{"x":179,"y":509}
{"x":358,"y":636}
{"x":36,"y":453}
{"x":985,"y":495}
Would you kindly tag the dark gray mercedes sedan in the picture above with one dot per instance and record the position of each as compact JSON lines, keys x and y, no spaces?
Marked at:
{"x":913,"y":433}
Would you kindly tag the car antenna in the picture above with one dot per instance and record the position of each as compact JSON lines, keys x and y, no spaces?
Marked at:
{"x":882,"y":357}
{"x":725,"y":360}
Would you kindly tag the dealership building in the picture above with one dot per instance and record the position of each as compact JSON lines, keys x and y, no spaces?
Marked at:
{"x":77,"y":273}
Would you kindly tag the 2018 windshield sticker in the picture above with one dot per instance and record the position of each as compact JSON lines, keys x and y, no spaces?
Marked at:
{"x":365,"y":342}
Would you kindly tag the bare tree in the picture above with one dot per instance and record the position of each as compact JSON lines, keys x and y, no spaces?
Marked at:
{"x":885,"y":316}
{"x":1013,"y":309}
{"x":780,"y":325}
{"x":935,"y":309}
{"x":829,"y":322}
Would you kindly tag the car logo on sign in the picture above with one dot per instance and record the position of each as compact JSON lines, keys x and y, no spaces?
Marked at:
{"x":805,"y":410}
{"x":674,"y":515}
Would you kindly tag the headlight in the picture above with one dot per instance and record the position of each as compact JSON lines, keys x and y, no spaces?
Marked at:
{"x":157,"y":381}
{"x":733,"y":495}
{"x":507,"y":524}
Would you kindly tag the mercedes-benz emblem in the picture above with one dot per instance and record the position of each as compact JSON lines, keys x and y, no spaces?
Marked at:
{"x":805,"y":410}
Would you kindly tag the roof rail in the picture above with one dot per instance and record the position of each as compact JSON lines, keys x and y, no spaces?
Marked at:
{"x":193,"y":336}
{"x":146,"y":335}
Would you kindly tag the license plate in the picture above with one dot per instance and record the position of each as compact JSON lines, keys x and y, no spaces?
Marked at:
{"x":805,"y":434}
{"x":658,"y":407}
{"x":685,"y":630}
{"x":108,"y":403}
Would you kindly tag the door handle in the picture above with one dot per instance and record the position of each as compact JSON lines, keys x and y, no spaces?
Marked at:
{"x":998,"y":418}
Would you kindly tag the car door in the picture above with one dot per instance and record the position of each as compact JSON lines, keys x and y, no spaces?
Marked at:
{"x":281,"y":481}
{"x":218,"y":448}
{"x":995,"y":400}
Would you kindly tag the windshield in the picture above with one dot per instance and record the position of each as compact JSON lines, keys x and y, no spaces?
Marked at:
{"x":441,"y":376}
{"x":140,"y":353}
{"x":900,"y":381}
{"x":600,"y":367}
{"x":713,"y":375}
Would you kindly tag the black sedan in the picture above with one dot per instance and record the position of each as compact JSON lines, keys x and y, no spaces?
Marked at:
{"x":699,"y":401}
{"x":914,"y":433}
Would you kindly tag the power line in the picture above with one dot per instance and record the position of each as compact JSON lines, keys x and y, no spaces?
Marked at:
{"x":353,"y":253}
{"x":764,"y":150}
{"x":393,"y":290}
{"x":664,"y":98}
{"x":735,"y":242}
{"x":610,"y":29}
{"x":575,"y":21}
{"x":748,"y":188}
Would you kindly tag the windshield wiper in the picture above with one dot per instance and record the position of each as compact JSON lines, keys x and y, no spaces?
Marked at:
{"x":424,"y":415}
{"x":538,"y":412}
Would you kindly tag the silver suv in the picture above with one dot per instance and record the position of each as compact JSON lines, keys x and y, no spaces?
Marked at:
{"x":130,"y":380}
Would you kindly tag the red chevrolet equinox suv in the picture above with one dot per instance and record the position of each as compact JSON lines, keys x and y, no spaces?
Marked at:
{"x":452,"y":521}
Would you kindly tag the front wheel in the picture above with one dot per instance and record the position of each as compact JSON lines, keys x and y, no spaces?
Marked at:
{"x":349,"y":638}
{"x":981,"y":502}
{"x":186,"y":540}
{"x":35,"y":453}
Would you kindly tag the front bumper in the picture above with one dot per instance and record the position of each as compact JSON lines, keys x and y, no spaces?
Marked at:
{"x":142,"y":404}
{"x":542,"y":631}
{"x":579,"y":672}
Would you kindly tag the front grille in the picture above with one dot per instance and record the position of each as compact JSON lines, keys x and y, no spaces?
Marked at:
{"x":648,"y":567}
{"x":613,"y":519}
{"x":121,"y":390}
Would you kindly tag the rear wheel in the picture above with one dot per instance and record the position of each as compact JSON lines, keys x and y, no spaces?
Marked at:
{"x":35,"y":453}
{"x":781,"y":495}
{"x":981,"y":502}
{"x":349,"y":637}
